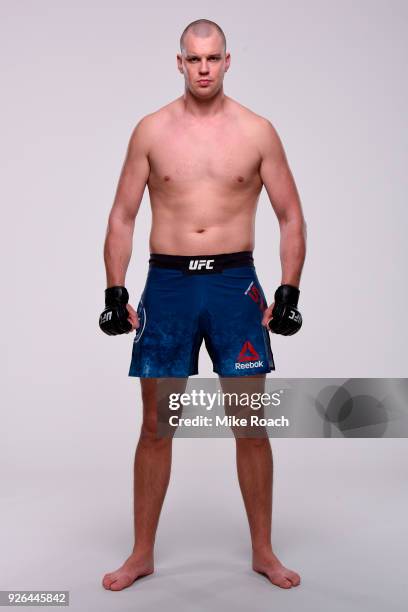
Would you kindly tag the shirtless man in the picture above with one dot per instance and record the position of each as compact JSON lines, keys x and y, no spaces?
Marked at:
{"x":204,"y":158}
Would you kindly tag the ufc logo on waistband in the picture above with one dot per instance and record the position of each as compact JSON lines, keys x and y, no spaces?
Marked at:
{"x":198,"y":264}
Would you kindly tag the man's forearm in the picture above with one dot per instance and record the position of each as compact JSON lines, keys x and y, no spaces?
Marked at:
{"x":292,"y":251}
{"x":117,"y":251}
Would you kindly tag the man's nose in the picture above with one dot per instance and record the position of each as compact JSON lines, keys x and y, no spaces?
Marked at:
{"x":204,"y":67}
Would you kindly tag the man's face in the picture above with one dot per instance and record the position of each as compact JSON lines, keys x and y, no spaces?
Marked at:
{"x":203,"y":63}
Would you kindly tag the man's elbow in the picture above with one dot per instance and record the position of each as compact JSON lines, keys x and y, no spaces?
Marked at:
{"x":123,"y":216}
{"x":120,"y":225}
{"x":294,"y":220}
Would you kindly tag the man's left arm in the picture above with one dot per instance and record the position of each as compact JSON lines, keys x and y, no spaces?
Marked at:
{"x":283,"y":195}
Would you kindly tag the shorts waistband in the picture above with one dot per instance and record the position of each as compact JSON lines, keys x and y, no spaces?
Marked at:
{"x":202,"y":264}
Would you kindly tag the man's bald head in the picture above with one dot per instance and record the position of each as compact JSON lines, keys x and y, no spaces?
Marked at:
{"x":203,"y":28}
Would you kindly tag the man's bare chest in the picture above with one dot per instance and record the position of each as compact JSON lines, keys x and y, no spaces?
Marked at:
{"x":185,"y":155}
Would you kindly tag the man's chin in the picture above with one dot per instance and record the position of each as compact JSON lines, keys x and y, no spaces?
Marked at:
{"x":203,"y":92}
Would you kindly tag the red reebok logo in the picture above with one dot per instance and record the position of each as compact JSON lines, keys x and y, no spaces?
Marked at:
{"x":248,"y":348}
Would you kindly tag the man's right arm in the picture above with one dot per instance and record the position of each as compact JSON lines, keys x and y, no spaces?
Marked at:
{"x":129,"y":194}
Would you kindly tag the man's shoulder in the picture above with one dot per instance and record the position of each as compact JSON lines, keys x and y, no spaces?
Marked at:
{"x":159,"y":116}
{"x":259,"y":128}
{"x":248,"y":115}
{"x":153,"y":124}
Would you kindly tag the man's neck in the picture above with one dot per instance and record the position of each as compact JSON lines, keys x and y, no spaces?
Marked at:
{"x":204,"y":108}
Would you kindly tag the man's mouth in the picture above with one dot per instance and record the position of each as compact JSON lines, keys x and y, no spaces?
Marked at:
{"x":204,"y":81}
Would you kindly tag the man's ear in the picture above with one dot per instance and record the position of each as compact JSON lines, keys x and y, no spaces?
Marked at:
{"x":180,"y":63}
{"x":227,"y":61}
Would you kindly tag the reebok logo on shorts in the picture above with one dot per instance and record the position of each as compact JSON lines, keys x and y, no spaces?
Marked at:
{"x":248,"y":358}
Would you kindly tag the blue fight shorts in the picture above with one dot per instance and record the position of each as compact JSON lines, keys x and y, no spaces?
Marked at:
{"x":215,"y":298}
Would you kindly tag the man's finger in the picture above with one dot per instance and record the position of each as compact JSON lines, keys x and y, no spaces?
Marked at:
{"x":134,"y":321}
{"x":131,"y":309}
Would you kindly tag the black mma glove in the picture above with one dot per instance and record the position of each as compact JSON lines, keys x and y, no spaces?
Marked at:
{"x":287,"y":320}
{"x":113,"y":320}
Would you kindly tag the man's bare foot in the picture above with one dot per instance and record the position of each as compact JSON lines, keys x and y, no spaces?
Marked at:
{"x":268,"y":564}
{"x":134,"y":567}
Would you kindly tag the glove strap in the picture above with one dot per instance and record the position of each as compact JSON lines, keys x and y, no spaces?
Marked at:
{"x":287,"y":294}
{"x":114,"y":296}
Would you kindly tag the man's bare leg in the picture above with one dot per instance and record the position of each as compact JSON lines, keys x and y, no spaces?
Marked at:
{"x":151,"y":478}
{"x":255,"y":476}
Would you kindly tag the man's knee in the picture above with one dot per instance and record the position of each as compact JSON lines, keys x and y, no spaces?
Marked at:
{"x":150,"y":436}
{"x":155,"y":397}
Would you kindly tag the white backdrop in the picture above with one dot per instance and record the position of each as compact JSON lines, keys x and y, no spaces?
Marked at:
{"x":76,"y":77}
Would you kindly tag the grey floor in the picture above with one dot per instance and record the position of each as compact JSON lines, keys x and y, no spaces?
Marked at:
{"x":339,"y":519}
